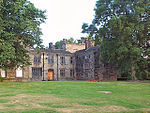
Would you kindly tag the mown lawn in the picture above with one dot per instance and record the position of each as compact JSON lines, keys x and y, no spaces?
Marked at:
{"x":74,"y":97}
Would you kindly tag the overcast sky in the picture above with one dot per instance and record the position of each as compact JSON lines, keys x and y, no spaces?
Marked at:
{"x":65,"y":18}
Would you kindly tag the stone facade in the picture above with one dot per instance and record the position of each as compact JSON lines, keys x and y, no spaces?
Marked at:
{"x":16,"y":75}
{"x":52,"y":61}
{"x":88,"y":66}
{"x":84,"y":65}
{"x":71,"y":62}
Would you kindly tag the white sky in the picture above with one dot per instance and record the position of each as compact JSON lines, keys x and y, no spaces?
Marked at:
{"x":65,"y":18}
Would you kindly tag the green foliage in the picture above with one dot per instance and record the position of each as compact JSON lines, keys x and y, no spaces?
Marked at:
{"x":3,"y":101}
{"x":58,"y":44}
{"x":1,"y":79}
{"x":19,"y":29}
{"x":123,"y":30}
{"x":69,"y":41}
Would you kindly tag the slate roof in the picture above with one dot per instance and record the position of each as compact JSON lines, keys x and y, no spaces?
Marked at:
{"x":53,"y":51}
{"x":89,"y":49}
{"x":67,"y":52}
{"x":93,"y":48}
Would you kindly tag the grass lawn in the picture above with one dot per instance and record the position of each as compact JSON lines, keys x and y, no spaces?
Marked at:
{"x":74,"y":97}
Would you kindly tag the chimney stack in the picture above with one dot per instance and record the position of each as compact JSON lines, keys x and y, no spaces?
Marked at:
{"x":63,"y":46}
{"x":89,"y":43}
{"x":51,"y":46}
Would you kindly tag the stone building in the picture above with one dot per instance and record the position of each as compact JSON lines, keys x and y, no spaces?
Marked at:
{"x":51,"y":64}
{"x":89,"y":67}
{"x":85,"y":63}
{"x":70,"y":62}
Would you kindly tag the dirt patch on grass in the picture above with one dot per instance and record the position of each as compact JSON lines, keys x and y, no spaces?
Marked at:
{"x":90,"y":109}
{"x":24,"y":101}
{"x":32,"y":98}
{"x":113,"y":109}
{"x":2,"y":107}
{"x":27,"y":102}
{"x":75,"y":109}
{"x":145,"y":109}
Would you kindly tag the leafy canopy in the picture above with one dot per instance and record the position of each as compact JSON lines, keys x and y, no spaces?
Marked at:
{"x":19,"y":29}
{"x":122,"y":28}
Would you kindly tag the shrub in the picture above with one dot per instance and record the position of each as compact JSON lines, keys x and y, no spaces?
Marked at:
{"x":1,"y":79}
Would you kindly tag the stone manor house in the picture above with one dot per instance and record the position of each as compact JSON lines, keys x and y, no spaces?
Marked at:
{"x":69,"y":62}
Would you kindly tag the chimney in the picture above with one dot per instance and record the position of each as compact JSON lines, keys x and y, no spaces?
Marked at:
{"x":64,"y":41}
{"x":51,"y":46}
{"x":63,"y":46}
{"x":82,"y":39}
{"x":88,"y":44}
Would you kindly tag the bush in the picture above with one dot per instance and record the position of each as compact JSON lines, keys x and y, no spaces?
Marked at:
{"x":1,"y":79}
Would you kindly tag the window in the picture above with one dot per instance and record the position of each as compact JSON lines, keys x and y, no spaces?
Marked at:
{"x":86,"y":57}
{"x":62,"y":72}
{"x":19,"y":72}
{"x":71,"y":72}
{"x":37,"y":59}
{"x":71,"y":60}
{"x":36,"y":73}
{"x":3,"y":73}
{"x":62,"y":60}
{"x":50,"y":59}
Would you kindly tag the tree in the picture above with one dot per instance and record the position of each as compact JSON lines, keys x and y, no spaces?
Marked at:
{"x":123,"y":27}
{"x":69,"y":41}
{"x":19,"y":29}
{"x":58,"y":44}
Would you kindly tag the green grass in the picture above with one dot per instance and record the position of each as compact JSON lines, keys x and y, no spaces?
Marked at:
{"x":146,"y":81}
{"x":54,"y":97}
{"x":3,"y":101}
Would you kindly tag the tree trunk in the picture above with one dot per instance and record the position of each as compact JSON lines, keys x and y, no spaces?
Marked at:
{"x":133,"y":73}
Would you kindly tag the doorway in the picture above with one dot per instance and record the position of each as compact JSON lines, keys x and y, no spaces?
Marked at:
{"x":51,"y":74}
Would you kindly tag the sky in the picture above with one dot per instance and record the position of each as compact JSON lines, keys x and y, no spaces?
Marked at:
{"x":64,"y":18}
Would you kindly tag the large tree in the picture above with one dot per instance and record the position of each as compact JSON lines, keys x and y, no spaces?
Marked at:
{"x":19,"y":29}
{"x":123,"y":28}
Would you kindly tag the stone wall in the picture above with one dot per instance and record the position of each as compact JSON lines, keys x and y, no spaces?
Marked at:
{"x":37,"y":65}
{"x":10,"y":75}
{"x":56,"y":66}
{"x":84,"y":65}
{"x":105,"y":73}
{"x":75,"y":47}
{"x":89,"y":67}
{"x":89,"y":43}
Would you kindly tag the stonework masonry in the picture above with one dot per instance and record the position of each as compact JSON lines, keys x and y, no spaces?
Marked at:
{"x":75,"y":47}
